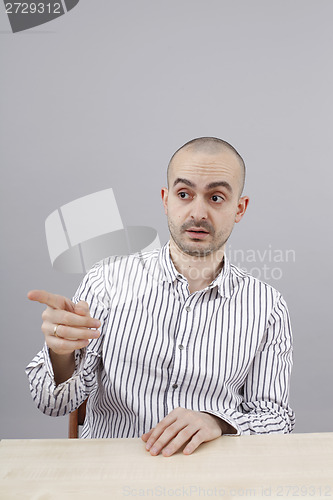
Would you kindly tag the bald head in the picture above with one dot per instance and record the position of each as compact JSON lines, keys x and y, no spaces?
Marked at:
{"x":210,"y":146}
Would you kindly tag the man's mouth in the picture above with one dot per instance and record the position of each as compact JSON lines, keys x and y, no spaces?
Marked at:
{"x":197,"y":232}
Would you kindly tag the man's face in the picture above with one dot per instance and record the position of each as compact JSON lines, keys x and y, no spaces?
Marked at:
{"x":203,"y":200}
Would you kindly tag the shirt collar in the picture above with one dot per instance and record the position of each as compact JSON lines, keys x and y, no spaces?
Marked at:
{"x":169,"y":273}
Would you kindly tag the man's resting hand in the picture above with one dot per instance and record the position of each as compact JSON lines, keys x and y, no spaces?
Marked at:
{"x":184,"y":426}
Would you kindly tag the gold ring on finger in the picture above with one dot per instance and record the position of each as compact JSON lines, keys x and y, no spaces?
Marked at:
{"x":55,"y":331}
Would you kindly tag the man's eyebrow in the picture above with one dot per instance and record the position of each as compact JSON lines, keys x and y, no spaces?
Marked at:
{"x":211,"y":185}
{"x":184,"y":181}
{"x":216,"y":184}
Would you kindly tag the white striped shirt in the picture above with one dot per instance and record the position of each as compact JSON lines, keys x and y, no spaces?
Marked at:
{"x":225,"y":350}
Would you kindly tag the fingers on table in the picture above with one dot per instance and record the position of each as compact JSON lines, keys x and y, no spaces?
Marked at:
{"x":169,"y":435}
{"x":174,"y":437}
{"x":156,"y":432}
{"x":147,"y":435}
{"x":181,"y":427}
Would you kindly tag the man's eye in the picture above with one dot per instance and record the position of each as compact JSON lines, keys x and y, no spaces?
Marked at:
{"x":216,"y":198}
{"x":183,"y":195}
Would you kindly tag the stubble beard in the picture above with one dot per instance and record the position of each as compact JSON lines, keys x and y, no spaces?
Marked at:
{"x":218,"y":239}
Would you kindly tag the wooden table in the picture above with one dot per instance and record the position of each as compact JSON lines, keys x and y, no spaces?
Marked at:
{"x":264,"y":466}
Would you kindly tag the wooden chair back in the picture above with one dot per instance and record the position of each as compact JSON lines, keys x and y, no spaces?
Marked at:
{"x":76,"y":418}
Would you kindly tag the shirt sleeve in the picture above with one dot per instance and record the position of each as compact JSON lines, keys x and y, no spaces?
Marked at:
{"x":265,"y":406}
{"x":56,"y":400}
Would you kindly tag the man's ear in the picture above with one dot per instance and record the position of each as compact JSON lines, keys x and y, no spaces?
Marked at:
{"x":242,"y":206}
{"x":164,"y":194}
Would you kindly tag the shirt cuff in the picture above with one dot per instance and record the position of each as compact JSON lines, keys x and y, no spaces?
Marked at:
{"x":226,"y":419}
{"x":79,"y":358}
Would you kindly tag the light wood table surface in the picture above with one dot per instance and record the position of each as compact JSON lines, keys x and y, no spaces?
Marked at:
{"x":263,"y":466}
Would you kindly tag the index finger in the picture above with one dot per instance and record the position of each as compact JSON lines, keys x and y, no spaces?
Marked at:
{"x":51,"y":299}
{"x":158,"y":430}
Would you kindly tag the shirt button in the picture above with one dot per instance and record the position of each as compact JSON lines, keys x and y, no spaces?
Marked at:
{"x":187,"y":308}
{"x":180,"y":347}
{"x":175,"y":386}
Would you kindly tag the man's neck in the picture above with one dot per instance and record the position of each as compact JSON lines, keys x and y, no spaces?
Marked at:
{"x":199,"y":271}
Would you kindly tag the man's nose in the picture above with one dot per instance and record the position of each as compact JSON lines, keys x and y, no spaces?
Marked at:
{"x":198,"y":209}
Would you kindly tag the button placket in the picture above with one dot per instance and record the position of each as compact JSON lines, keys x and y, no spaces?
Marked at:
{"x":180,"y":349}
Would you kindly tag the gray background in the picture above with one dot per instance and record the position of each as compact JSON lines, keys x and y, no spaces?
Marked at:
{"x":102,"y":97}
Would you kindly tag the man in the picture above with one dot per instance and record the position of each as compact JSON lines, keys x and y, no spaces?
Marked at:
{"x":189,"y":346}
